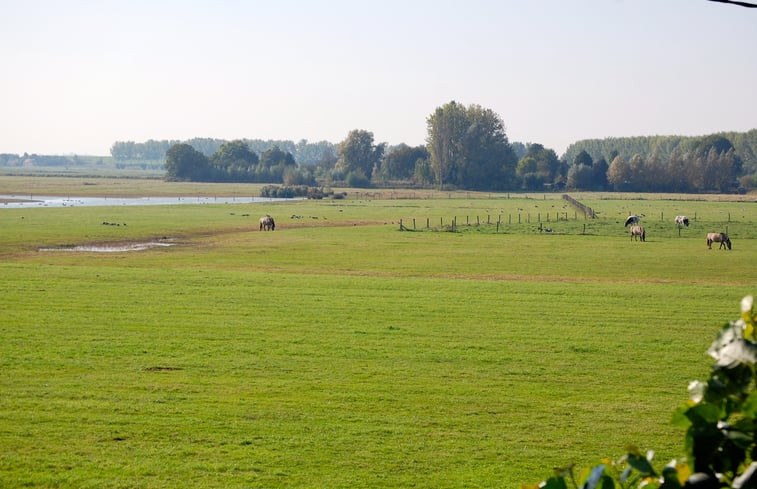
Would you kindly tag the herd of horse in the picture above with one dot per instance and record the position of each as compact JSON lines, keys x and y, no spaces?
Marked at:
{"x":639,"y":233}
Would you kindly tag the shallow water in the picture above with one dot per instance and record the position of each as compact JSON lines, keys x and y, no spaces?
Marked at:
{"x":31,"y":201}
{"x":109,"y":248}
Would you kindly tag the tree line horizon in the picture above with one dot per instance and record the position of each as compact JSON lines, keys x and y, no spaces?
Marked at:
{"x":466,"y":148}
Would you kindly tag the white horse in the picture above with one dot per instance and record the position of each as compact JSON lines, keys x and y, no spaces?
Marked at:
{"x":631,"y":220}
{"x":682,"y":221}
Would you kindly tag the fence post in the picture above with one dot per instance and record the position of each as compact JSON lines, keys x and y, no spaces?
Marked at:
{"x":413,"y":224}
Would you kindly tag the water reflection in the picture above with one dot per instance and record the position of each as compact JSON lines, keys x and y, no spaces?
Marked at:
{"x":30,"y":201}
{"x":109,"y":248}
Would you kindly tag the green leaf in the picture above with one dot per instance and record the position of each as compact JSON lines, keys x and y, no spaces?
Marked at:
{"x":607,"y":482}
{"x":555,"y":483}
{"x":680,"y":418}
{"x":670,"y":476}
{"x":640,"y":463}
{"x":703,"y":414}
{"x":749,"y":406}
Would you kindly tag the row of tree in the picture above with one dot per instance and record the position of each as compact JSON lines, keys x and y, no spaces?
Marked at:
{"x":234,"y":161}
{"x":306,"y":153}
{"x":744,"y":144}
{"x":467,"y":148}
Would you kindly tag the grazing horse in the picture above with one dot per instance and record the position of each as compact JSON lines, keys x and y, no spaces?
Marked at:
{"x":682,"y":221}
{"x":267,"y":223}
{"x":722,"y":238}
{"x":638,"y":232}
{"x":631,"y":220}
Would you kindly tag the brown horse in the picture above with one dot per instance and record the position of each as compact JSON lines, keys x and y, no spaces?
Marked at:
{"x":722,"y":238}
{"x":267,"y":223}
{"x":638,"y":232}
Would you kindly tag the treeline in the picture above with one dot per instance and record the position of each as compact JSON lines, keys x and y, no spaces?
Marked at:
{"x":27,"y":160}
{"x":662,"y":147}
{"x":467,"y":148}
{"x":304,"y":152}
{"x":234,"y":161}
{"x":713,"y":166}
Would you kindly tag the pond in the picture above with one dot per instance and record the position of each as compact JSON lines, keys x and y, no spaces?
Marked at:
{"x":31,"y":201}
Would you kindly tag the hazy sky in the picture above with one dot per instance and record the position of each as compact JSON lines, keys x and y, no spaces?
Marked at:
{"x":77,"y":75}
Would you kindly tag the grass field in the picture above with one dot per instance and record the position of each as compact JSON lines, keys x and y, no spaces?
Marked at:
{"x":341,"y":352}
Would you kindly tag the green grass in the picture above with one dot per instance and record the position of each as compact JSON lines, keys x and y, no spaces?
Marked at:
{"x":326,"y":354}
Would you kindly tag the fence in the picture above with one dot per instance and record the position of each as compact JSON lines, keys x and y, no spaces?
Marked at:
{"x":520,"y":218}
{"x":588,"y":211}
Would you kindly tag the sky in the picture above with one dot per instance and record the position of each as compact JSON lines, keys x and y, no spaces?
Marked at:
{"x":78,"y":75}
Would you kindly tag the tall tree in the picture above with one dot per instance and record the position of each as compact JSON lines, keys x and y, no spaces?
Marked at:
{"x":446,"y":129}
{"x":183,"y":162}
{"x":468,"y":148}
{"x":583,"y":158}
{"x":235,"y":161}
{"x":619,"y":173}
{"x":358,"y":155}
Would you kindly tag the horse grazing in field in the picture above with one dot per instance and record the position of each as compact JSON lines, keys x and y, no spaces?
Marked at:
{"x":638,"y":232}
{"x":267,"y":223}
{"x":631,"y":220}
{"x":682,"y":221}
{"x":722,"y":238}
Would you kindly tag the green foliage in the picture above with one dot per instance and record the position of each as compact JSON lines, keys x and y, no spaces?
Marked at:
{"x":357,"y":154}
{"x":538,"y":166}
{"x":720,"y":420}
{"x":357,"y":179}
{"x":399,"y":163}
{"x":291,"y":191}
{"x":671,"y":149}
{"x":469,"y":149}
{"x":183,"y":162}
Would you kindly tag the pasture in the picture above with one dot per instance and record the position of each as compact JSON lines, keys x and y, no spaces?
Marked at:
{"x":338,"y":351}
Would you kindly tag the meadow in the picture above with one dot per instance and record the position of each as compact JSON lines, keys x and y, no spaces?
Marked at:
{"x":339,"y":351}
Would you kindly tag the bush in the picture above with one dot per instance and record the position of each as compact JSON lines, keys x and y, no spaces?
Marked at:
{"x":720,"y":420}
{"x":357,"y":180}
{"x":292,"y":191}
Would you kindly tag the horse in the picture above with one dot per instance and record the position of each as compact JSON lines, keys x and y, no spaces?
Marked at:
{"x":721,"y":238}
{"x":631,"y":220}
{"x":682,"y":221}
{"x":638,"y":232}
{"x":267,"y":223}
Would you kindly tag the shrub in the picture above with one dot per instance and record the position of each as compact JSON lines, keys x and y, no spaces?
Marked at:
{"x":357,"y":180}
{"x":720,"y":420}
